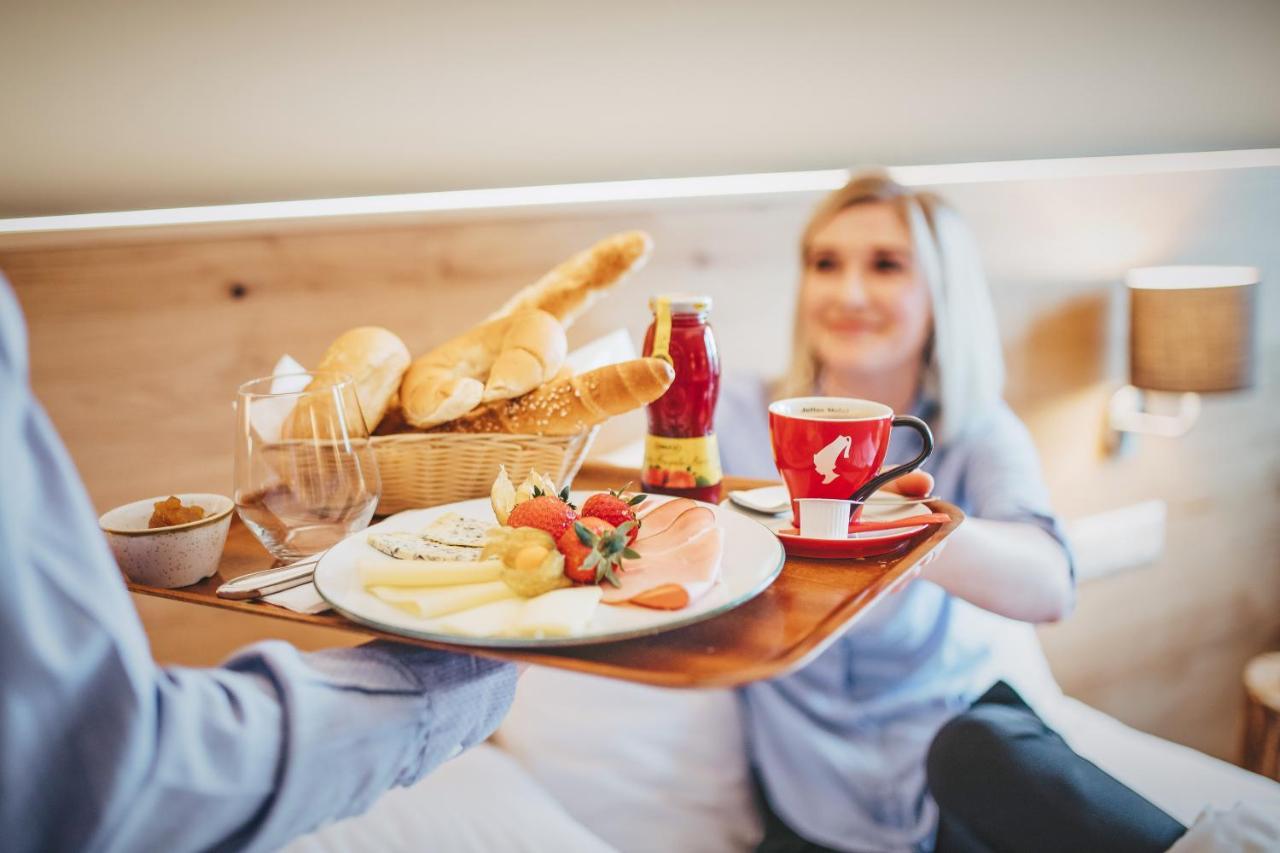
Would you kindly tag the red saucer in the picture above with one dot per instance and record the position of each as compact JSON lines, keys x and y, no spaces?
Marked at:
{"x":871,"y":544}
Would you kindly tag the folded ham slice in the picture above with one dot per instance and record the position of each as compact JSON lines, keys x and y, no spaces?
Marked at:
{"x":656,"y":518}
{"x":680,"y":548}
{"x":683,"y":529}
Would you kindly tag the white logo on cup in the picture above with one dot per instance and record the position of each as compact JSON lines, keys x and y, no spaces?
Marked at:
{"x":824,"y":461}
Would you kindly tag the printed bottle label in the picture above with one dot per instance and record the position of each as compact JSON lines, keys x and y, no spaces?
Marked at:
{"x":681,"y":463}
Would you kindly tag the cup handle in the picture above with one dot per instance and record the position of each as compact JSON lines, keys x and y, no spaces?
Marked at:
{"x":926,"y":436}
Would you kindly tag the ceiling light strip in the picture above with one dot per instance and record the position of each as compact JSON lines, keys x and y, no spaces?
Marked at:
{"x":654,"y":189}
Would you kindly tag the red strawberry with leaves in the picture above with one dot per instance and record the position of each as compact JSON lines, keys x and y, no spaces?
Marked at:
{"x":545,"y":512}
{"x":615,"y":508}
{"x":593,"y":550}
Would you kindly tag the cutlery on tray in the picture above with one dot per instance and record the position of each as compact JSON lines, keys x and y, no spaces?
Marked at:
{"x":268,"y":581}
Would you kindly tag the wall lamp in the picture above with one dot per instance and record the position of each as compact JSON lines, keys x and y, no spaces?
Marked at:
{"x":1192,"y":329}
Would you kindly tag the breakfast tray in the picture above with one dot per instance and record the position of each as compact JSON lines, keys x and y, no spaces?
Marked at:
{"x":805,"y":609}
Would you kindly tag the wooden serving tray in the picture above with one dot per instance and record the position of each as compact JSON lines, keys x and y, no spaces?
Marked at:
{"x":810,"y":604}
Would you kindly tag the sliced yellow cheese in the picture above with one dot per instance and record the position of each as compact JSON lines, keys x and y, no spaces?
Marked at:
{"x":494,"y":619}
{"x":388,"y":571}
{"x":431,"y":602}
{"x":559,"y":613}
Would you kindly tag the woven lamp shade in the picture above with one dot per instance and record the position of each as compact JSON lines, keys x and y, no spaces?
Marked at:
{"x":1192,"y":328}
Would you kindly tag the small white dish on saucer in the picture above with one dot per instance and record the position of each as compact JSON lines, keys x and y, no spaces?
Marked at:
{"x":173,"y":556}
{"x":824,"y":519}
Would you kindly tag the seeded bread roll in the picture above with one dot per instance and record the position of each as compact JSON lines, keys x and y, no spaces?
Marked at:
{"x":569,"y":289}
{"x":496,"y":360}
{"x":571,"y":405}
{"x":375,"y":358}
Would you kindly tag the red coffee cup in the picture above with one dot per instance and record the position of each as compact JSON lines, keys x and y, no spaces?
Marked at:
{"x":832,"y":447}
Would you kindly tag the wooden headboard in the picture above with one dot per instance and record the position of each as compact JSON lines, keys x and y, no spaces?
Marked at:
{"x":139,"y":341}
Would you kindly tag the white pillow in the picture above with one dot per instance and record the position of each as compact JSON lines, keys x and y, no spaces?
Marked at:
{"x":644,"y":768}
{"x":479,"y":802}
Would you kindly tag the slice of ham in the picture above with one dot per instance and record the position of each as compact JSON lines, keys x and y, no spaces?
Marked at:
{"x":657,"y":518}
{"x":675,"y":566}
{"x":682,"y":529}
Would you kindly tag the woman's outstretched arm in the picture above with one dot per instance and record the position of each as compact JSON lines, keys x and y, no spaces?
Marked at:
{"x":1011,"y":568}
{"x":1010,"y":556}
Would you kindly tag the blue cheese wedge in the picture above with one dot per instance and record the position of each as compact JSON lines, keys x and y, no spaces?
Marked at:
{"x":411,"y":546}
{"x":453,"y":529}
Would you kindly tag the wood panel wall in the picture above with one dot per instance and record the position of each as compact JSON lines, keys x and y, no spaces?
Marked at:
{"x":138,"y":343}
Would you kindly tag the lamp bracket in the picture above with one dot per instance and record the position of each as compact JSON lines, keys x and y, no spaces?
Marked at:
{"x":1128,"y":412}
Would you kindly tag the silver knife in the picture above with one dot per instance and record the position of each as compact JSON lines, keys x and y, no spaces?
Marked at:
{"x":268,"y":581}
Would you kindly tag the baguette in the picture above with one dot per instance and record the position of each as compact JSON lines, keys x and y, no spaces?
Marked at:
{"x":496,"y":360}
{"x":570,"y":289}
{"x":570,"y":405}
{"x":372,"y":356}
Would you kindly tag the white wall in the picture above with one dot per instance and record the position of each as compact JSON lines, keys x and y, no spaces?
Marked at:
{"x":113,"y":105}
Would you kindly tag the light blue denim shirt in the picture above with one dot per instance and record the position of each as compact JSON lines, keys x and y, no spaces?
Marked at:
{"x":100,"y":749}
{"x":839,"y":746}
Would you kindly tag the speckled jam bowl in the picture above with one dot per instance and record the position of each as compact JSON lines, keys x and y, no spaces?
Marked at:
{"x":178,"y":555}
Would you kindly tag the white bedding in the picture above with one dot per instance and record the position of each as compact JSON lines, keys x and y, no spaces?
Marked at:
{"x":645,"y":768}
{"x":480,"y":801}
{"x":588,"y":764}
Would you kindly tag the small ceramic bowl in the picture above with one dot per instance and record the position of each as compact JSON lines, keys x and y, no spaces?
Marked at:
{"x":174,"y":556}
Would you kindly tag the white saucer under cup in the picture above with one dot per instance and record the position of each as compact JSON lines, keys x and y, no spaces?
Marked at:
{"x":824,"y":518}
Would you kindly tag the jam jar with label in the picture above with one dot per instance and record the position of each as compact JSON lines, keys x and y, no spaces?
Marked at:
{"x":680,"y":453}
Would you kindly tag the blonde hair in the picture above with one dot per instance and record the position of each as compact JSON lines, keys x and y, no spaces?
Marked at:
{"x":963,"y":365}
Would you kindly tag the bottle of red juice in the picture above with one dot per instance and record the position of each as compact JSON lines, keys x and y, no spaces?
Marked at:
{"x":680,"y":453}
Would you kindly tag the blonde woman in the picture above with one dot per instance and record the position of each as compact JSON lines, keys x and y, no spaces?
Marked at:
{"x":893,"y":306}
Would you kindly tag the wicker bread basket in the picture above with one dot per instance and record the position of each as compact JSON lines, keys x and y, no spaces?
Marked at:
{"x":420,"y":470}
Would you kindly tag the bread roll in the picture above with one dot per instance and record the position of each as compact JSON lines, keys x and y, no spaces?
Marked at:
{"x":496,"y":360}
{"x":532,"y":352}
{"x":375,"y":358}
{"x":569,"y":289}
{"x":573,"y":404}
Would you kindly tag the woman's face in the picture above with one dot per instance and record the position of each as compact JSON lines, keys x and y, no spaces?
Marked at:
{"x":863,"y":302}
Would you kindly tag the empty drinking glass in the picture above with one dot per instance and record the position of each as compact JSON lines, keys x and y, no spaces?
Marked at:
{"x":305,"y":474}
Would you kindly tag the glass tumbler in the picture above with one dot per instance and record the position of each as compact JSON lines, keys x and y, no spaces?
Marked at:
{"x":305,"y":473}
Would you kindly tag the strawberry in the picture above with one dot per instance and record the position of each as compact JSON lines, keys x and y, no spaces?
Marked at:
{"x":564,"y":495}
{"x":545,"y":512}
{"x":616,"y":509}
{"x":593,"y":550}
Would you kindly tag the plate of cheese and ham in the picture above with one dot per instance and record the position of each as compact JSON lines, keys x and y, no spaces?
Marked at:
{"x":690,"y":562}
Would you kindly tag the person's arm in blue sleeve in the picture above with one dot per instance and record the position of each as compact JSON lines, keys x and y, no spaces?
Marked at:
{"x":1010,"y":555}
{"x":101,"y":749}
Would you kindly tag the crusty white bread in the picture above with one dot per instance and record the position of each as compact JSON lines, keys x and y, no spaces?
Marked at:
{"x":496,"y":360}
{"x":571,"y":405}
{"x":375,"y":358}
{"x":532,"y":351}
{"x":569,"y":289}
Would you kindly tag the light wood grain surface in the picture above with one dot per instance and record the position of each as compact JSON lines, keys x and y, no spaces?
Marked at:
{"x":138,"y":344}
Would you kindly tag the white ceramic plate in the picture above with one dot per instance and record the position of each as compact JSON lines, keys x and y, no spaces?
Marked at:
{"x":752,"y":559}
